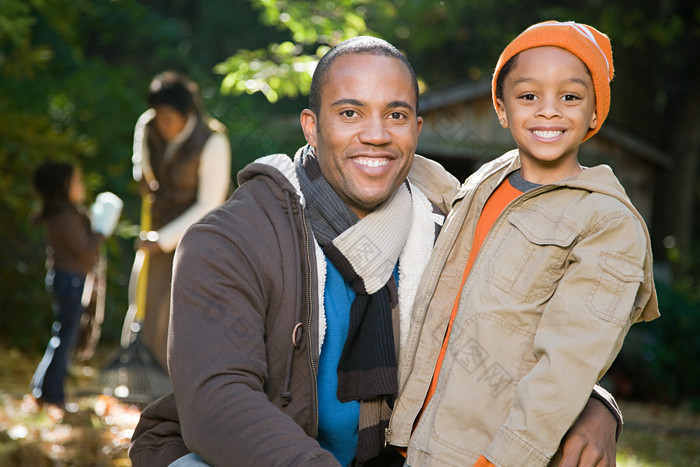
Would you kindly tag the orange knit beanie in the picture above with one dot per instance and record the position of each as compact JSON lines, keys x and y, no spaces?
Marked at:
{"x":587,"y":43}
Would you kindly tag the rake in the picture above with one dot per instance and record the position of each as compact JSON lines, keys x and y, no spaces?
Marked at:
{"x":134,"y":375}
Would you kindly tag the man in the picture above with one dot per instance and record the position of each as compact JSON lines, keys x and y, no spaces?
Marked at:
{"x":286,"y":322}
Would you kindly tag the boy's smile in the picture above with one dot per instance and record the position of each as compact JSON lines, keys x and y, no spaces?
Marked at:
{"x":549,"y":105}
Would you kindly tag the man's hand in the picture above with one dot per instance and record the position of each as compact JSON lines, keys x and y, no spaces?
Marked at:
{"x":591,"y":441}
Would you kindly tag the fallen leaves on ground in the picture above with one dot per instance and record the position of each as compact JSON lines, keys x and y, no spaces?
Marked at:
{"x":94,"y":430}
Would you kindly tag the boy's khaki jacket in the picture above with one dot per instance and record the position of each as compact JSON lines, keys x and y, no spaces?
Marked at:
{"x":563,"y":273}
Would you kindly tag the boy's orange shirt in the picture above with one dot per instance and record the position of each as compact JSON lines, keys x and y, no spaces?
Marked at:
{"x":499,"y":199}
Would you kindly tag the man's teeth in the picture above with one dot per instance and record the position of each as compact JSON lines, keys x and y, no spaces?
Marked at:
{"x":546,"y":134}
{"x":372,"y":162}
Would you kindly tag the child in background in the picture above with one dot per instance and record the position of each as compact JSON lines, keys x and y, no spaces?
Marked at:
{"x":71,"y":252}
{"x":555,"y":266}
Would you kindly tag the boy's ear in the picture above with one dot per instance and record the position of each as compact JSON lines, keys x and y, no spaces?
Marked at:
{"x":594,"y":121}
{"x":501,"y":111}
{"x":308,"y":125}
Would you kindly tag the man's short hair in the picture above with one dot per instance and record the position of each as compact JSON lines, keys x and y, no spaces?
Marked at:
{"x":356,"y":45}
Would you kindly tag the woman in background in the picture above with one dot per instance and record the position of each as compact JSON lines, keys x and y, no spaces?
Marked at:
{"x":182,"y":162}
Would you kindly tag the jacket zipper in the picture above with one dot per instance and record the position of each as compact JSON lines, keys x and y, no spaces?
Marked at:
{"x":310,"y":320}
{"x":387,"y":430}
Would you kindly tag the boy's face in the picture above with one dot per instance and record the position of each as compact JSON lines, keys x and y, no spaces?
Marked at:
{"x":367,"y":129}
{"x":549,"y":105}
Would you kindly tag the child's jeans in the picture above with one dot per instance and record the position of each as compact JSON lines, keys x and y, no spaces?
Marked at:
{"x":66,"y":289}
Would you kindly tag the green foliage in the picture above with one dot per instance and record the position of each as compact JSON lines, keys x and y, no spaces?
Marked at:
{"x":284,"y":69}
{"x":659,"y":359}
{"x":18,"y":57}
{"x":279,"y":70}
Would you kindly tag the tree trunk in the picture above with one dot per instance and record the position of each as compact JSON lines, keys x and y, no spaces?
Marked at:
{"x":680,"y":188}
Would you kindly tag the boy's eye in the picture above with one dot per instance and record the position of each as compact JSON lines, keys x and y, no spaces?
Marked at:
{"x":570,"y":97}
{"x":528,"y":97}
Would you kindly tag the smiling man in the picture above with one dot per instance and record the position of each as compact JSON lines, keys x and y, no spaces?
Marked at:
{"x":287,"y":320}
{"x":291,"y":302}
{"x":367,"y":134}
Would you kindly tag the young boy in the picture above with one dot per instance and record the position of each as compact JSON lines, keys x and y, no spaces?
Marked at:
{"x":558,"y":266}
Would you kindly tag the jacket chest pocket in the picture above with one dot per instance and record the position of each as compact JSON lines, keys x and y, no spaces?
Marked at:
{"x":528,"y":259}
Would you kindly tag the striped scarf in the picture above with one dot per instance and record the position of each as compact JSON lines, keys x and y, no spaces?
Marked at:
{"x":365,"y":252}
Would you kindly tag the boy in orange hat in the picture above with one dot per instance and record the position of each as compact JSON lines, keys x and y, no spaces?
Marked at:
{"x":539,"y":272}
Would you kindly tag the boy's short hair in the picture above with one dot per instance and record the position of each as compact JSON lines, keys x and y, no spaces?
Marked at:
{"x":591,"y":46}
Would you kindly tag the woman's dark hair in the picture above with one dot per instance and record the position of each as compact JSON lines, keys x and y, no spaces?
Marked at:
{"x":356,"y":45}
{"x":174,"y":90}
{"x":52,"y":181}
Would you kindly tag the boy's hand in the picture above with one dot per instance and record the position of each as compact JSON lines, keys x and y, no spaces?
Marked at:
{"x":591,"y":441}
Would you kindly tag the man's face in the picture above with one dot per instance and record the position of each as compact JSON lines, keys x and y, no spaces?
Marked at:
{"x":367,"y":130}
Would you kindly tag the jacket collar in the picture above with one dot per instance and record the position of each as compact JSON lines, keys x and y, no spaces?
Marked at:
{"x":414,"y":256}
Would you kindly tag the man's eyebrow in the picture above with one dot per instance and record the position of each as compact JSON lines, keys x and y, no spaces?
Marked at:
{"x":357,"y":103}
{"x":404,"y":104}
{"x":348,"y":101}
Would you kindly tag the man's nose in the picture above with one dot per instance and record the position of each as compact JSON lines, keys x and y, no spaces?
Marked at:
{"x":375,"y":131}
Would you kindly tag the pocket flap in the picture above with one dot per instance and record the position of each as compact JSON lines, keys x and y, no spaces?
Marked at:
{"x":621,"y":267}
{"x":542,"y":230}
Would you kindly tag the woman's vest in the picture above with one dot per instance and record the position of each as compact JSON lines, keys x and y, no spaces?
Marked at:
{"x":177,"y":176}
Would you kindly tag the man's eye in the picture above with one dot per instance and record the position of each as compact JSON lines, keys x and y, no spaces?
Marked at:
{"x":396,"y":115}
{"x":348,"y":113}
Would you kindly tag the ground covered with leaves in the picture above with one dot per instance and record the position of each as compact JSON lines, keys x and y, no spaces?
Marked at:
{"x":94,"y":431}
{"x":96,"y":428}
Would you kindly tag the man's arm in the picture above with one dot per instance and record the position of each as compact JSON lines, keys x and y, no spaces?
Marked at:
{"x":217,"y":356}
{"x":591,"y":441}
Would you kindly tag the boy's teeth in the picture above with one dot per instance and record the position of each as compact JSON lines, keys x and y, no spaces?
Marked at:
{"x":546,"y":134}
{"x":372,"y":162}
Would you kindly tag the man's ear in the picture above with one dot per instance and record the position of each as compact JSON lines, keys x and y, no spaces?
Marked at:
{"x":594,"y":120}
{"x":309,"y":126}
{"x":501,"y":111}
